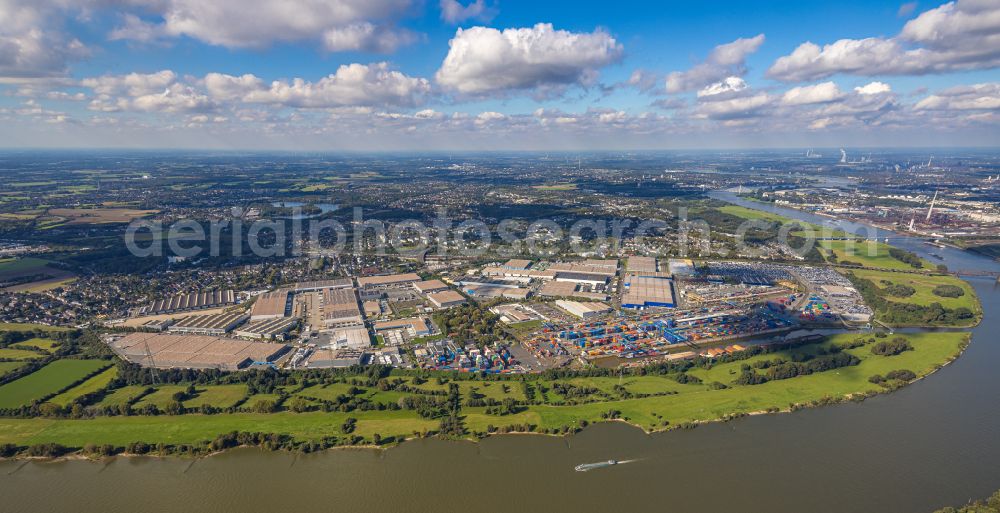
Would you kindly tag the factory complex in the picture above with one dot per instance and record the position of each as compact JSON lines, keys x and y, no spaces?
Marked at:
{"x":561,"y":311}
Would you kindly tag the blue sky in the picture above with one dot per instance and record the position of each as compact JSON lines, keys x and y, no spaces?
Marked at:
{"x":381,"y":74}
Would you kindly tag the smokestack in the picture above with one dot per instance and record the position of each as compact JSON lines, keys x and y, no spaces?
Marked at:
{"x":931,"y":210}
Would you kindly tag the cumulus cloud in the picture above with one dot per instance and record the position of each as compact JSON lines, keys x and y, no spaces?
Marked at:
{"x":484,"y":60}
{"x":146,"y":92}
{"x":972,"y":97}
{"x":452,"y":11}
{"x":873,"y":88}
{"x":32,"y":42}
{"x":175,"y":98}
{"x":812,"y":94}
{"x":959,"y":35}
{"x":366,"y":25}
{"x":724,"y":61}
{"x":367,"y":37}
{"x":738,"y":107}
{"x":132,"y":84}
{"x":729,"y":85}
{"x":488,"y":117}
{"x":351,"y":85}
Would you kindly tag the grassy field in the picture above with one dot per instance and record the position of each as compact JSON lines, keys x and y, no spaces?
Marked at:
{"x":18,"y":326}
{"x":867,"y":253}
{"x":45,"y":344}
{"x":924,"y":286}
{"x":219,"y":396}
{"x":699,"y":403}
{"x":18,"y":354}
{"x":47,"y":380}
{"x":195,"y":428}
{"x":93,"y":384}
{"x":123,"y":395}
{"x":672,"y":403}
{"x":754,"y":215}
{"x":163,"y":396}
{"x":6,"y":367}
{"x":100,"y":215}
{"x":556,"y":187}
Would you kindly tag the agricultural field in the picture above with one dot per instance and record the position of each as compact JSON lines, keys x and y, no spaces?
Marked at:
{"x":46,"y":381}
{"x":15,"y":271}
{"x":93,"y":384}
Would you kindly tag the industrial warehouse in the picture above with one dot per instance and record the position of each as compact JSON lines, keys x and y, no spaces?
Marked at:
{"x":189,"y":302}
{"x":194,"y":351}
{"x":208,"y":324}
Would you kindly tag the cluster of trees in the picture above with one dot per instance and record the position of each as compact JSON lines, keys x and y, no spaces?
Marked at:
{"x":891,"y":347}
{"x":901,"y":375}
{"x":506,"y":407}
{"x":897,"y":289}
{"x":780,"y":369}
{"x":574,"y":392}
{"x":948,"y":291}
{"x":470,"y":323}
{"x":906,"y":257}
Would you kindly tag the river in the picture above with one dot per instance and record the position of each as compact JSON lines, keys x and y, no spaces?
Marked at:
{"x":931,"y":444}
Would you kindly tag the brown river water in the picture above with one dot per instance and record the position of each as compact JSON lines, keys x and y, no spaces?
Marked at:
{"x":931,"y":444}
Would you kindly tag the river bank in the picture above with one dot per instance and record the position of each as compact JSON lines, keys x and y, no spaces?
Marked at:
{"x":651,"y":403}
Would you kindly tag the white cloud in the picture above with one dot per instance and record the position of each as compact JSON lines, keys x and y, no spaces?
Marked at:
{"x":972,"y":97}
{"x":873,"y":88}
{"x":729,"y":85}
{"x":724,"y":61}
{"x":734,"y":108}
{"x":351,"y":85}
{"x":175,"y":98}
{"x":152,"y":92}
{"x":367,"y":37}
{"x":132,"y":84}
{"x":958,"y":35}
{"x":485,"y":60}
{"x":228,"y":87}
{"x":812,"y":94}
{"x":452,"y":11}
{"x":366,"y":25}
{"x":488,"y":117}
{"x":32,"y":42}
